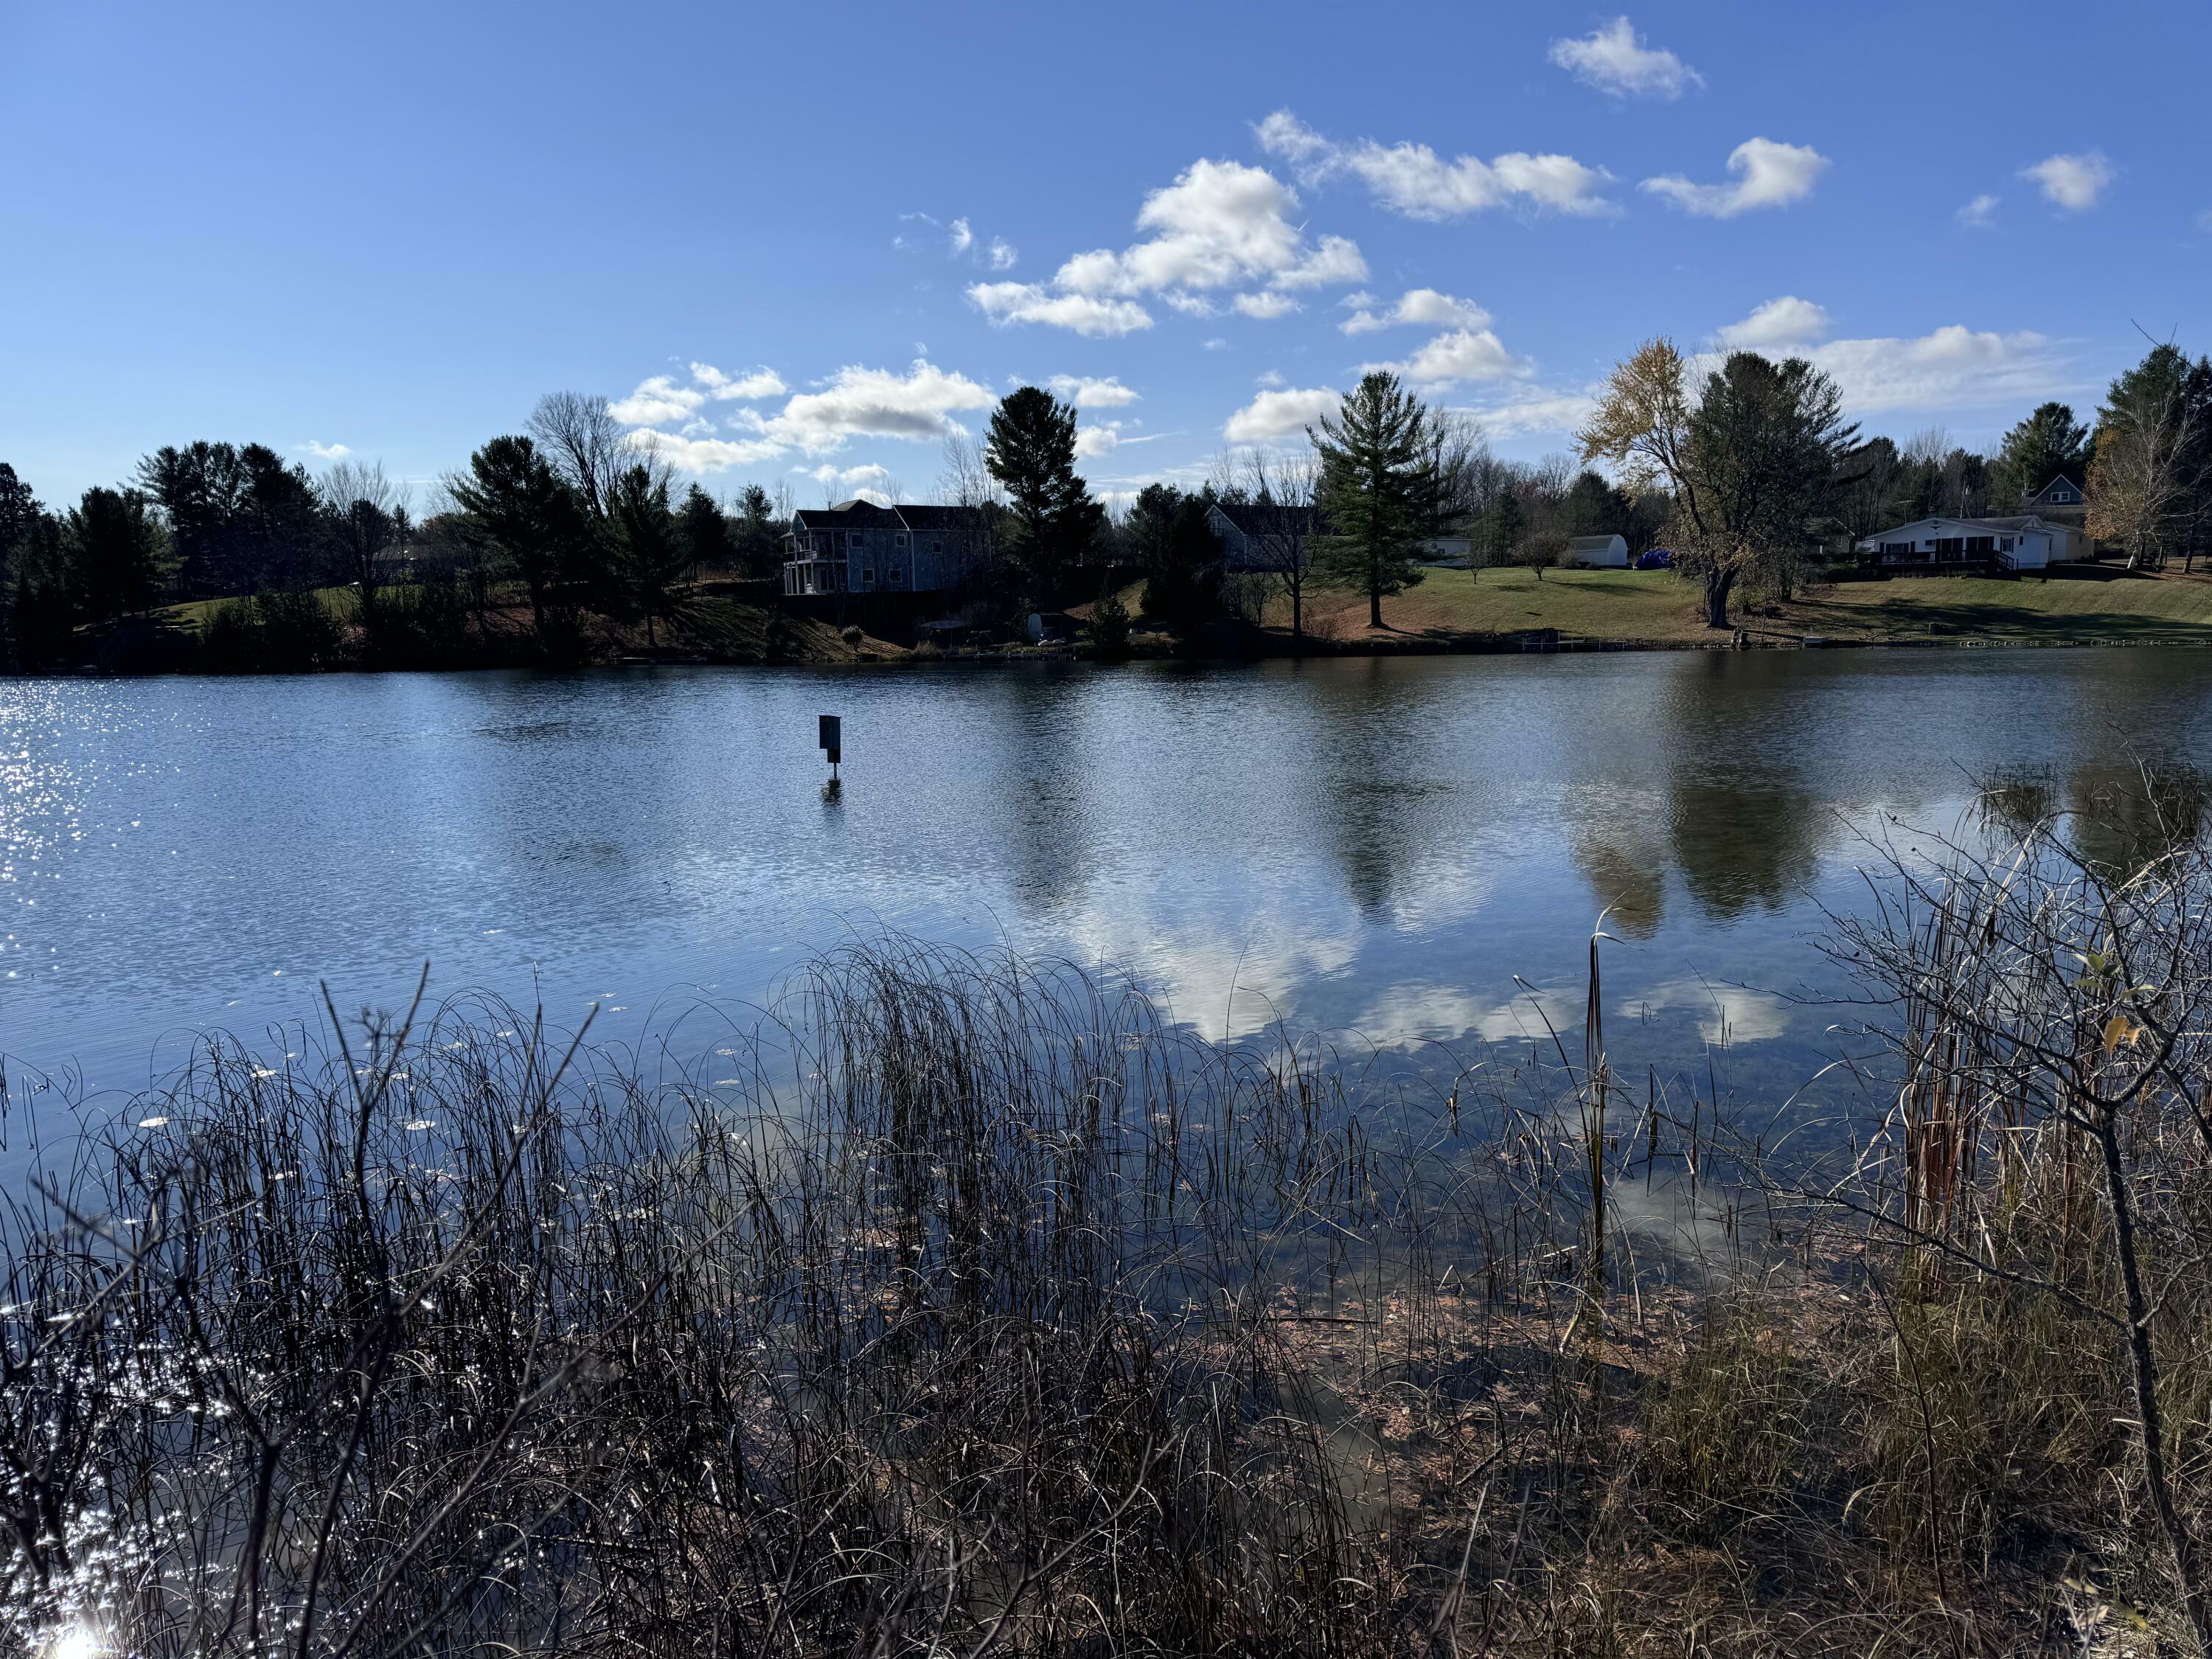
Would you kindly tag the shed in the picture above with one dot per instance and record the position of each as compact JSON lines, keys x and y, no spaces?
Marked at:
{"x":1597,"y":552}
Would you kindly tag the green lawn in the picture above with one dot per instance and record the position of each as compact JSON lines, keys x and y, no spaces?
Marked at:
{"x":1660,"y":608}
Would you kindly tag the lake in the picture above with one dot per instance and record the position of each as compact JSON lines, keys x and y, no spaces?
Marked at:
{"x":1394,"y":850}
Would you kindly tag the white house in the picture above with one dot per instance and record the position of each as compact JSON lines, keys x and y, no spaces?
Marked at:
{"x":1447,"y":552}
{"x":2024,"y":543}
{"x":1597,"y":552}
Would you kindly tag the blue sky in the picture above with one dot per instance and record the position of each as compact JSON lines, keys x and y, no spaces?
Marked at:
{"x":392,"y":229}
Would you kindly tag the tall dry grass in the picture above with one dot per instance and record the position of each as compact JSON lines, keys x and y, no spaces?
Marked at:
{"x":970,"y":1307}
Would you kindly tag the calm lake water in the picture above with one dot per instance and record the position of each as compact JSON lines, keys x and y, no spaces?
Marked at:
{"x":1375,"y":847}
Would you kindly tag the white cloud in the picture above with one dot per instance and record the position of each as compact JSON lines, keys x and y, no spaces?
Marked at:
{"x":1086,"y":394}
{"x":1775,"y":326}
{"x":1282,"y":414}
{"x":656,"y":401}
{"x":1767,"y":175}
{"x":703,"y":455}
{"x":1415,"y":306}
{"x":1413,"y":179}
{"x":878,"y":404}
{"x":1336,"y":259}
{"x":1612,"y":59}
{"x":752,"y":384}
{"x":2073,"y":182}
{"x":917,"y":406}
{"x":1215,"y":344}
{"x":1527,"y":410}
{"x":1265,"y":306}
{"x":1979,"y":214}
{"x":1008,"y":303}
{"x":1953,"y":367}
{"x":1219,"y":225}
{"x":850,"y":478}
{"x":323,"y":451}
{"x":1269,"y":377}
{"x":660,"y":400}
{"x":962,"y":241}
{"x":1463,"y":354}
{"x":1094,"y":440}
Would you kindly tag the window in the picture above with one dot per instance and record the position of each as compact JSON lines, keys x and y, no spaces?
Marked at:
{"x":898,"y":576}
{"x":899,"y":540}
{"x":937,"y":544}
{"x":868,"y":575}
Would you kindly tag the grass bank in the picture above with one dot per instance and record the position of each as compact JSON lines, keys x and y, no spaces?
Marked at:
{"x":1657,"y":608}
{"x":969,"y":1308}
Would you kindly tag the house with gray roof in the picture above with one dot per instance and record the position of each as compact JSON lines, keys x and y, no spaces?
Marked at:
{"x":860,"y":547}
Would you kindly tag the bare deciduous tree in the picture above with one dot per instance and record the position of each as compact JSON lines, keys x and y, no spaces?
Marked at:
{"x":586,"y":444}
{"x":1276,"y":489}
{"x":367,"y":513}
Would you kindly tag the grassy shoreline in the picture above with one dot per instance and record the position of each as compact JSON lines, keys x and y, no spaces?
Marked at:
{"x":1451,"y":612}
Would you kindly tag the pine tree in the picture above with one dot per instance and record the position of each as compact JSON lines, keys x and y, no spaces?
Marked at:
{"x":2049,"y":444}
{"x":515,"y":501}
{"x":1378,"y":493}
{"x":1030,"y":451}
{"x":653,"y":548}
{"x":118,"y":552}
{"x":706,"y":532}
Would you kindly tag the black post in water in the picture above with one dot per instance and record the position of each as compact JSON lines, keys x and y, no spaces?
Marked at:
{"x":832,"y":740}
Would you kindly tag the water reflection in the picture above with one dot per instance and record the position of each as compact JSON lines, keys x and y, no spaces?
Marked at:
{"x":1410,"y":849}
{"x":2120,"y":813}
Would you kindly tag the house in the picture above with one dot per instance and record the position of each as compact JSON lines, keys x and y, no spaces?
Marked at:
{"x":1260,"y":535}
{"x":858,"y":547}
{"x":1448,"y":552}
{"x":2060,"y":502}
{"x":1596,"y":552}
{"x":2028,"y":541}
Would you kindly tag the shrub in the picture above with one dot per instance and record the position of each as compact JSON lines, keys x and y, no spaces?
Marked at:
{"x":1109,"y":626}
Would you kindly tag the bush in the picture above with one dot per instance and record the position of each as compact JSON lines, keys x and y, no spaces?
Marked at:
{"x":280,"y":633}
{"x":1109,"y":626}
{"x":851,"y":634}
{"x":929,"y":651}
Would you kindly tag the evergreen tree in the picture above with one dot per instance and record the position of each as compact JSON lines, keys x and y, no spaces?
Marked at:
{"x":1501,"y":528}
{"x":706,"y":532}
{"x":2048,"y":444}
{"x":1378,"y":493}
{"x":1594,"y":507}
{"x":654,"y":547}
{"x":118,"y":552}
{"x":42,"y":607}
{"x":1182,"y":580}
{"x":1030,"y":451}
{"x":19,"y":511}
{"x":517,"y":503}
{"x":758,"y":532}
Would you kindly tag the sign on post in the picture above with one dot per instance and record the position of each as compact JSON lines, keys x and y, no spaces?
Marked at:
{"x":832,"y":733}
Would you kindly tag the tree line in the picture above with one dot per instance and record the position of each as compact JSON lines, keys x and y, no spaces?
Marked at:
{"x":568,"y":510}
{"x":1766,"y":479}
{"x":1745,"y":467}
